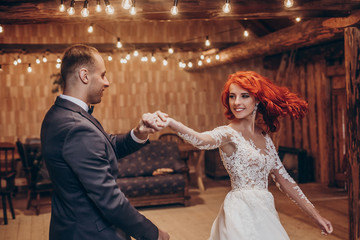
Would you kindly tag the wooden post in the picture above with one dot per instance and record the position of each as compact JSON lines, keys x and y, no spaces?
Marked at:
{"x":352,"y":65}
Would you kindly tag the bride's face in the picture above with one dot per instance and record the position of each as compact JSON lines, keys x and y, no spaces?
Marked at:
{"x":241,"y":102}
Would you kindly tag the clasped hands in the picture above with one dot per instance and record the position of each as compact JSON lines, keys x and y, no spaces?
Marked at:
{"x":150,"y":123}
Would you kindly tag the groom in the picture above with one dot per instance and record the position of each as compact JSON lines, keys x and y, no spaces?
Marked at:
{"x":82,"y":158}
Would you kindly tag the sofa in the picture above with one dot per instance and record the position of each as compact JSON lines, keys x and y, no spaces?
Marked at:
{"x":142,"y":187}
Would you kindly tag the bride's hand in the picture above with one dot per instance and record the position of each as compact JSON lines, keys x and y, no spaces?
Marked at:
{"x":325,"y":225}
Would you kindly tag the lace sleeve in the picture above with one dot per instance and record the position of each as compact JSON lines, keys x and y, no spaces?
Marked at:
{"x":205,"y":140}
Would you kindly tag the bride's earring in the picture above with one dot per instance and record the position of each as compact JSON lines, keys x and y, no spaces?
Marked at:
{"x":255,"y":108}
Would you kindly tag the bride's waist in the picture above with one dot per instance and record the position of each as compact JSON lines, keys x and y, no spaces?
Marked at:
{"x":248,"y":188}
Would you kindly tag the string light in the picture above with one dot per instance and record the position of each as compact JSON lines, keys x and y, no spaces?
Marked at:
{"x":136,"y":53}
{"x":15,"y":62}
{"x":153,"y":58}
{"x":174,"y":10}
{"x":110,"y":58}
{"x":29,"y":69}
{"x":62,"y":6}
{"x":217,"y":57}
{"x":58,"y":60}
{"x":207,"y":41}
{"x":200,"y":63}
{"x":190,"y":65}
{"x":126,"y":4}
{"x":202,"y":57}
{"x":289,"y":3}
{"x":128,"y":56}
{"x":208,"y":60}
{"x":98,"y":7}
{"x":85,"y":11}
{"x":133,"y":9}
{"x":165,"y":62}
{"x":71,"y":9}
{"x":37,"y":60}
{"x":58,"y":65}
{"x":1,"y":29}
{"x":91,"y":28}
{"x":118,"y":44}
{"x":44,"y":59}
{"x":109,"y":9}
{"x":226,"y":8}
{"x":298,"y":19}
{"x":19,"y":59}
{"x":171,"y":50}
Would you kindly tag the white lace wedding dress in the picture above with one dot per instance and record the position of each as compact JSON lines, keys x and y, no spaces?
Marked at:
{"x":248,"y":211}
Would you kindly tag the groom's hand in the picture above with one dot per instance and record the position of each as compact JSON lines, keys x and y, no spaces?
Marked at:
{"x":150,"y":123}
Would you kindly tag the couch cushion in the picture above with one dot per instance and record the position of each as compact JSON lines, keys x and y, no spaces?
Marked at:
{"x":152,"y":185}
{"x":145,"y":161}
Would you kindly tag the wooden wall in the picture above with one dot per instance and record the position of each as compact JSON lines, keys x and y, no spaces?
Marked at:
{"x":135,"y":87}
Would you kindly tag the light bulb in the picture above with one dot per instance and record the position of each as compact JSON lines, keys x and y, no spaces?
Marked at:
{"x":132,"y":10}
{"x":180,"y":64}
{"x":208,"y":60}
{"x":298,"y":19}
{"x":29,"y":69}
{"x":98,"y":6}
{"x":145,"y":59}
{"x":174,"y":10}
{"x":128,"y":56}
{"x":15,"y":62}
{"x":165,"y":62}
{"x":289,"y":3}
{"x":246,"y":33}
{"x":19,"y":60}
{"x":37,"y":61}
{"x":85,"y":12}
{"x":217,"y":57}
{"x":71,"y":10}
{"x":171,"y":50}
{"x":58,"y":65}
{"x":90,"y":28}
{"x":199,"y":63}
{"x":190,"y":65}
{"x":202,"y":57}
{"x":227,"y":8}
{"x":118,"y":44}
{"x":44,"y":59}
{"x":153,"y":58}
{"x":207,"y":42}
{"x":58,"y":60}
{"x":136,"y":53}
{"x":109,"y":9}
{"x":109,"y":58}
{"x":62,"y":7}
{"x":1,"y":28}
{"x":126,"y":4}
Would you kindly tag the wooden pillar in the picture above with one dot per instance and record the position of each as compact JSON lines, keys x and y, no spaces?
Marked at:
{"x":352,"y":65}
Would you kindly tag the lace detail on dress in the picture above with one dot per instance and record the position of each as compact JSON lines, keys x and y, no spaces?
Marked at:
{"x":302,"y":195}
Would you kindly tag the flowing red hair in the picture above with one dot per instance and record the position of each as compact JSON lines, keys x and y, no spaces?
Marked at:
{"x":275,"y":101}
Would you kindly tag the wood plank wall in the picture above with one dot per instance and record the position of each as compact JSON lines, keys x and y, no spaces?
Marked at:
{"x":136,"y":87}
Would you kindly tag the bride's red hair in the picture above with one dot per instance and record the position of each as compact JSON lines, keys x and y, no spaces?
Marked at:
{"x":274,"y":100}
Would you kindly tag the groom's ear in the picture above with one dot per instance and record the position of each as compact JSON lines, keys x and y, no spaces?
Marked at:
{"x":83,"y":75}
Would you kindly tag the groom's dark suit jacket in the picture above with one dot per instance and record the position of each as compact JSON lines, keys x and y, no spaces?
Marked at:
{"x":82,"y":161}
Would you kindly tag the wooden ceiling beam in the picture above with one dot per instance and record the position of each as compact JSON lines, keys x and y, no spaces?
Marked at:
{"x":307,"y":33}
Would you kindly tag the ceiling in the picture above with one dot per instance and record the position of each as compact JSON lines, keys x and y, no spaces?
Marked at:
{"x":261,"y":16}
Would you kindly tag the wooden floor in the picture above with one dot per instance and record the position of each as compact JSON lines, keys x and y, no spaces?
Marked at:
{"x":194,"y":222}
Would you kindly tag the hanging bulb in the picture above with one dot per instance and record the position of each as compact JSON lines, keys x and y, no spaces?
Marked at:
{"x":171,"y":50}
{"x":110,"y":58}
{"x":246,"y":33}
{"x":85,"y":11}
{"x":29,"y":69}
{"x":62,"y":6}
{"x":208,"y":60}
{"x":118,"y":44}
{"x":289,"y":3}
{"x":1,"y":29}
{"x":133,"y":9}
{"x":126,"y":4}
{"x":15,"y":62}
{"x":37,"y":61}
{"x":190,"y":65}
{"x":19,"y":59}
{"x":58,"y":60}
{"x":200,"y":63}
{"x":153,"y":58}
{"x":174,"y":9}
{"x":58,"y":65}
{"x":71,"y":9}
{"x":98,"y":6}
{"x":217,"y":57}
{"x":202,"y":57}
{"x":207,"y":41}
{"x":226,"y":8}
{"x":165,"y":62}
{"x":44,"y":59}
{"x":136,"y":53}
{"x":90,"y":28}
{"x":128,"y":56}
{"x":298,"y":19}
{"x":109,"y":9}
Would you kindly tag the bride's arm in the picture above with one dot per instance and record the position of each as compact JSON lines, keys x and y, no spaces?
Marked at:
{"x":286,"y":184}
{"x":205,"y":140}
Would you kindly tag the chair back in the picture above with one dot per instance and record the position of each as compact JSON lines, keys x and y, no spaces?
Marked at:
{"x":7,"y":163}
{"x":173,"y":137}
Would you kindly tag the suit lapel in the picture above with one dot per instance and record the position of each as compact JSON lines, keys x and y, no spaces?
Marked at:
{"x":76,"y":108}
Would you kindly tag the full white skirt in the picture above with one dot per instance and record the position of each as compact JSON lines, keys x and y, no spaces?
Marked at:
{"x":248,"y":215}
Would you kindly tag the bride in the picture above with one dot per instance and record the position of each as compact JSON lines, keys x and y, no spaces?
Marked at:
{"x":249,"y":156}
